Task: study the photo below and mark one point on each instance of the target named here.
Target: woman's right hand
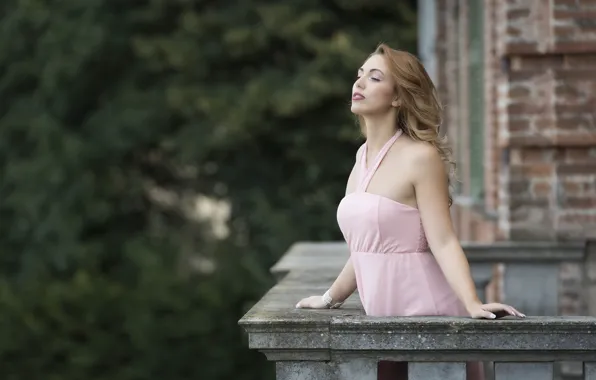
(313, 302)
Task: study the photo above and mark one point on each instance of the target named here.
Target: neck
(379, 131)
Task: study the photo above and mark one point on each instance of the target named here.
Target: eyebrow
(371, 70)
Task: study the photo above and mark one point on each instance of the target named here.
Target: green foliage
(91, 327)
(115, 114)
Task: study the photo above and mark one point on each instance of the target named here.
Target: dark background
(116, 117)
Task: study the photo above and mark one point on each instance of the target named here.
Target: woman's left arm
(432, 196)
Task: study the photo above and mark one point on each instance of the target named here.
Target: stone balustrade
(345, 344)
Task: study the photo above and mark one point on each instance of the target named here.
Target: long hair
(419, 112)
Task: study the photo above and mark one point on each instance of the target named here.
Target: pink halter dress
(396, 273)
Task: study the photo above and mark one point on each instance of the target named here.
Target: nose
(359, 82)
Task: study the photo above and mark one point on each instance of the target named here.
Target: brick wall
(540, 120)
(549, 129)
(547, 118)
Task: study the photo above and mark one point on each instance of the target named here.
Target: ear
(396, 102)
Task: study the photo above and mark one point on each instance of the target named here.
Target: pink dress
(396, 273)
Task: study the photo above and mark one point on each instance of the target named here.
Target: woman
(405, 257)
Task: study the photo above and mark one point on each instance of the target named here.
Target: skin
(421, 184)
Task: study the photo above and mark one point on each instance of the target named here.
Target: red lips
(357, 96)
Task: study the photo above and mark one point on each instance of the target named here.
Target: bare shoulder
(351, 186)
(359, 152)
(357, 160)
(421, 155)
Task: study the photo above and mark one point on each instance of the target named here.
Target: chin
(357, 110)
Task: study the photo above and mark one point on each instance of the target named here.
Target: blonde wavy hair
(419, 113)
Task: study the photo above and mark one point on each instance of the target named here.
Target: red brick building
(518, 79)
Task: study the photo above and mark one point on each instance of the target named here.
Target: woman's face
(373, 92)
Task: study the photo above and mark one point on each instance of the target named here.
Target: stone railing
(345, 344)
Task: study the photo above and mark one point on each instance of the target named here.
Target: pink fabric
(396, 273)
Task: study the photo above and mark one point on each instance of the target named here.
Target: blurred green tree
(116, 115)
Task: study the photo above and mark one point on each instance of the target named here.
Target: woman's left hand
(493, 311)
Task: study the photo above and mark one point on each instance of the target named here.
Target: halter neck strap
(367, 173)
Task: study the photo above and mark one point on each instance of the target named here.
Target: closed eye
(371, 78)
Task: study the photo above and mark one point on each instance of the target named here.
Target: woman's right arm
(342, 288)
(345, 283)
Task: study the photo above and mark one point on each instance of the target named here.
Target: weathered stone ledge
(346, 344)
(282, 332)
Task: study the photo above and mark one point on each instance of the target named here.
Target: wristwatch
(329, 301)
